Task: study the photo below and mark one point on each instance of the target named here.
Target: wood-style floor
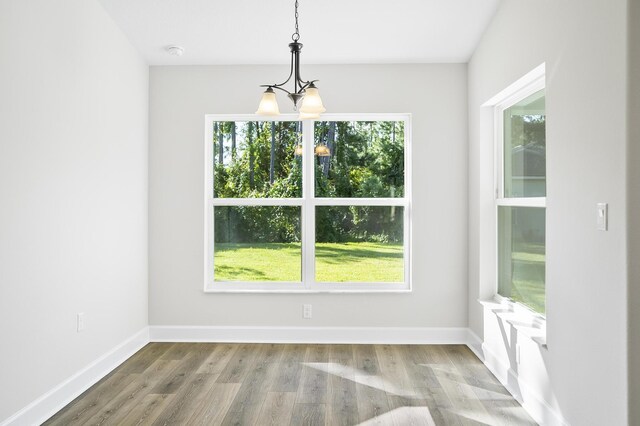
(268, 384)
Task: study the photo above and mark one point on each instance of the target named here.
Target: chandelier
(305, 91)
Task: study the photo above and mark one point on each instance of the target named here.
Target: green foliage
(258, 160)
(257, 224)
(367, 161)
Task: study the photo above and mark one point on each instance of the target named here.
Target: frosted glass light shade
(322, 151)
(268, 103)
(311, 103)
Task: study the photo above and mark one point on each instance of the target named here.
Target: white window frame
(522, 89)
(308, 204)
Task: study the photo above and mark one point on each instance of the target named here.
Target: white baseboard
(539, 409)
(475, 344)
(356, 335)
(54, 400)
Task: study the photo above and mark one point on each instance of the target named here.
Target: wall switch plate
(603, 216)
(80, 322)
(306, 311)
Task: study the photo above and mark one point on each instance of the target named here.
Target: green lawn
(335, 262)
(529, 278)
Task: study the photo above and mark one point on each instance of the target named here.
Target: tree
(367, 160)
(221, 144)
(251, 155)
(272, 158)
(233, 141)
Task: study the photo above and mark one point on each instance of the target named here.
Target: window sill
(299, 288)
(305, 291)
(524, 320)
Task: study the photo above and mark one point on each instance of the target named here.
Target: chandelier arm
(299, 84)
(279, 88)
(288, 78)
(304, 84)
(296, 59)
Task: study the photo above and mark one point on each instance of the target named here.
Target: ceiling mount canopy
(303, 91)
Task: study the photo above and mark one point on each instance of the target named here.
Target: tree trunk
(230, 226)
(233, 141)
(251, 155)
(331, 139)
(214, 142)
(371, 134)
(272, 161)
(221, 146)
(393, 138)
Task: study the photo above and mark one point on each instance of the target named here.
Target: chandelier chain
(303, 91)
(296, 35)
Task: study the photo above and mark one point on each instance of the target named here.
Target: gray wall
(73, 185)
(633, 192)
(583, 43)
(434, 94)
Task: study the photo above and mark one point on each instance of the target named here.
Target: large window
(307, 206)
(521, 197)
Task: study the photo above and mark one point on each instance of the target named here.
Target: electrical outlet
(82, 326)
(306, 311)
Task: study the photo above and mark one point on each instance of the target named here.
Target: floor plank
(372, 404)
(177, 351)
(277, 409)
(146, 356)
(246, 406)
(187, 399)
(308, 415)
(215, 405)
(189, 363)
(148, 410)
(288, 379)
(316, 353)
(218, 359)
(89, 403)
(366, 359)
(393, 372)
(276, 384)
(313, 384)
(239, 365)
(116, 409)
(342, 405)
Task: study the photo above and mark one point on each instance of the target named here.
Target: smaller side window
(521, 199)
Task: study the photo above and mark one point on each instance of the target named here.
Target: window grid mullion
(257, 201)
(308, 209)
(539, 202)
(390, 202)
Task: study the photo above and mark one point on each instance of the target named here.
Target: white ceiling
(332, 31)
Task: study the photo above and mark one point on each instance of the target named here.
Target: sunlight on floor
(468, 409)
(355, 375)
(403, 416)
(482, 392)
(484, 418)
